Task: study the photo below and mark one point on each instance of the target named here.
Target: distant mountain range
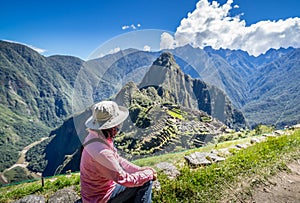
(39, 94)
(233, 71)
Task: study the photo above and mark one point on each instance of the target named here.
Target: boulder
(169, 169)
(255, 140)
(31, 199)
(215, 157)
(296, 126)
(223, 152)
(202, 159)
(66, 195)
(241, 146)
(279, 132)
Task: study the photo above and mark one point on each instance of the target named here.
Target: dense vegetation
(17, 174)
(16, 132)
(34, 97)
(274, 92)
(36, 156)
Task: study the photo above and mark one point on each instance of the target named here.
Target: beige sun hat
(106, 114)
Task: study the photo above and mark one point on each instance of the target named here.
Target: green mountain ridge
(31, 87)
(34, 98)
(275, 92)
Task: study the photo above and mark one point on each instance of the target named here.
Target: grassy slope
(209, 184)
(215, 182)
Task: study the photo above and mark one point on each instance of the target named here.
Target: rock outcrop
(32, 199)
(66, 195)
(202, 159)
(169, 169)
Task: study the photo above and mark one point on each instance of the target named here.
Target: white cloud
(115, 50)
(147, 48)
(124, 27)
(39, 50)
(167, 41)
(210, 24)
(132, 26)
(112, 51)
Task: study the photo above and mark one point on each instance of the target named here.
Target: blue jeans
(132, 194)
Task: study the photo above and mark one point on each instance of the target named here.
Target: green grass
(51, 185)
(175, 114)
(16, 132)
(212, 183)
(207, 184)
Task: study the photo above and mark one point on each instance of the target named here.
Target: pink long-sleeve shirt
(101, 168)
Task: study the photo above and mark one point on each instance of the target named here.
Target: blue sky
(78, 27)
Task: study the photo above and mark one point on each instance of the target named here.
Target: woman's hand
(154, 176)
(152, 169)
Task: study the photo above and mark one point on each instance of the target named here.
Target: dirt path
(282, 188)
(21, 161)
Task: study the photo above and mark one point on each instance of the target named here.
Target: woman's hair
(108, 133)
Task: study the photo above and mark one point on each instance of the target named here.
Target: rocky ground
(282, 188)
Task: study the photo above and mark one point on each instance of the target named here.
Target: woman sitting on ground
(104, 175)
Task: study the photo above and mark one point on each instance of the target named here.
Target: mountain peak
(174, 86)
(164, 71)
(166, 59)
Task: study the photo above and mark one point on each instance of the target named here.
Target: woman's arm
(128, 166)
(129, 176)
